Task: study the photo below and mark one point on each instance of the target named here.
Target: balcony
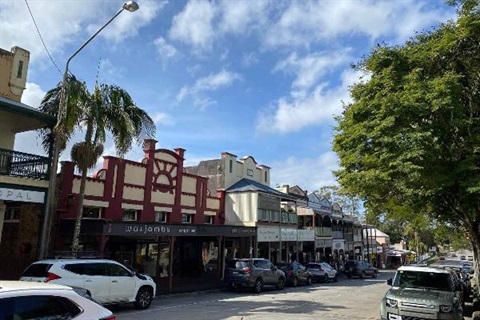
(338, 235)
(25, 165)
(323, 231)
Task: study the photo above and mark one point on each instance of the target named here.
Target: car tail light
(109, 318)
(247, 270)
(52, 276)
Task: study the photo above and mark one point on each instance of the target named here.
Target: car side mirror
(274, 268)
(389, 281)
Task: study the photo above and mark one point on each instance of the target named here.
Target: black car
(295, 273)
(253, 273)
(360, 268)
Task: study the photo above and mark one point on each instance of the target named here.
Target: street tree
(409, 140)
(108, 108)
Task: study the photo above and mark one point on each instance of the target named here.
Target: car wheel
(374, 275)
(232, 287)
(309, 281)
(258, 286)
(335, 279)
(295, 282)
(281, 283)
(326, 278)
(144, 298)
(362, 275)
(349, 276)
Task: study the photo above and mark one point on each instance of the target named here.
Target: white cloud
(161, 118)
(241, 16)
(311, 68)
(166, 51)
(194, 24)
(65, 22)
(127, 23)
(33, 95)
(300, 111)
(304, 23)
(211, 82)
(308, 173)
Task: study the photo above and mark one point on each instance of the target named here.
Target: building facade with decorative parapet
(152, 214)
(23, 176)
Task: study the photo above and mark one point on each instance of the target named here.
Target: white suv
(20, 300)
(107, 281)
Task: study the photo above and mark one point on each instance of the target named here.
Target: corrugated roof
(21, 108)
(251, 185)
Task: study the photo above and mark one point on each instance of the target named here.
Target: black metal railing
(19, 164)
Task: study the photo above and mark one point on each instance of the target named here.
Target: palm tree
(108, 108)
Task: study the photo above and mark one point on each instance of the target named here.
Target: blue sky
(254, 78)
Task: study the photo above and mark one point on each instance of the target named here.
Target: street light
(130, 6)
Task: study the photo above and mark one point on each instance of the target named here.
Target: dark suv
(253, 273)
(360, 268)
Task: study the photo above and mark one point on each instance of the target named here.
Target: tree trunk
(474, 235)
(81, 195)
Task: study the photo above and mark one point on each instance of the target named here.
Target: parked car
(106, 281)
(322, 272)
(360, 268)
(421, 293)
(295, 273)
(253, 273)
(21, 300)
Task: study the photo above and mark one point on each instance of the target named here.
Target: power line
(41, 38)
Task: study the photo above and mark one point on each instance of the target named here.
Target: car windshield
(425, 280)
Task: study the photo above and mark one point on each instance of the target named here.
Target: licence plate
(235, 272)
(394, 317)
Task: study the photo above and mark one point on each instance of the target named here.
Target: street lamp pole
(57, 132)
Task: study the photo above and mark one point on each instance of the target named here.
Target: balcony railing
(323, 231)
(19, 164)
(338, 235)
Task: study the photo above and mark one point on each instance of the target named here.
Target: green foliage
(409, 142)
(108, 108)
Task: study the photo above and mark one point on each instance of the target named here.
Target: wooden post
(170, 264)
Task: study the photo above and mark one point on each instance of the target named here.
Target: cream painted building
(23, 176)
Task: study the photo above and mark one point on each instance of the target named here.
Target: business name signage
(20, 195)
(268, 234)
(155, 229)
(289, 234)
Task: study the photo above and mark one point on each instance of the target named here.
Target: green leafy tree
(409, 142)
(108, 108)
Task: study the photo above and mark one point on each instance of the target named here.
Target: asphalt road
(346, 299)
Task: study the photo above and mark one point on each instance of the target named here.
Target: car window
(37, 270)
(259, 264)
(95, 269)
(116, 270)
(313, 266)
(38, 307)
(326, 266)
(234, 264)
(77, 268)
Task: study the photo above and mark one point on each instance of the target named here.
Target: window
(116, 270)
(187, 218)
(94, 269)
(12, 214)
(38, 307)
(266, 176)
(20, 69)
(129, 215)
(231, 166)
(92, 212)
(209, 219)
(161, 216)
